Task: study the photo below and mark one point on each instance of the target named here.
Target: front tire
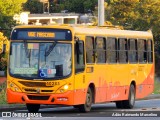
(87, 106)
(33, 108)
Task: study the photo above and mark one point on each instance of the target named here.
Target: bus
(79, 66)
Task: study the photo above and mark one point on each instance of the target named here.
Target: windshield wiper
(50, 49)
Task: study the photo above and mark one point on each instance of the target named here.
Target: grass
(157, 86)
(3, 93)
(3, 97)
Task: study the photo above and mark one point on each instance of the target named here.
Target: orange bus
(79, 66)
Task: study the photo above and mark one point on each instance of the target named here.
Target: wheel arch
(135, 86)
(92, 87)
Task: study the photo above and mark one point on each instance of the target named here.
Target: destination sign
(41, 34)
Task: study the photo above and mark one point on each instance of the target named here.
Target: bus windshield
(40, 60)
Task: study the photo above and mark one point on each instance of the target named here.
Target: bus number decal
(52, 83)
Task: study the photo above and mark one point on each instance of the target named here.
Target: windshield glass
(40, 60)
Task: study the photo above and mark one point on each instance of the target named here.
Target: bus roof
(98, 31)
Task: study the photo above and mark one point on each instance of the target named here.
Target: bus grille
(31, 97)
(35, 91)
(47, 90)
(34, 84)
(30, 90)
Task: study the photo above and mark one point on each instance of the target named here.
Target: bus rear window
(41, 34)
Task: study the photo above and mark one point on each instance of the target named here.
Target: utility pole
(100, 12)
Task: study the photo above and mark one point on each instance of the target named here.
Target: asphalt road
(144, 109)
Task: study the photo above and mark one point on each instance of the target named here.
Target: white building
(52, 18)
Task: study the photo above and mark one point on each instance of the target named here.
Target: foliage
(122, 12)
(3, 98)
(6, 23)
(77, 6)
(7, 9)
(3, 57)
(55, 8)
(135, 14)
(3, 40)
(10, 7)
(80, 6)
(156, 85)
(34, 6)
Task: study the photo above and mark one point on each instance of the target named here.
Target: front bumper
(62, 99)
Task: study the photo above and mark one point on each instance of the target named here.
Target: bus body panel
(79, 88)
(146, 87)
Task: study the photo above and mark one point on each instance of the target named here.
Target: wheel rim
(132, 98)
(88, 99)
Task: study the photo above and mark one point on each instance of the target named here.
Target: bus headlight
(14, 87)
(63, 89)
(66, 87)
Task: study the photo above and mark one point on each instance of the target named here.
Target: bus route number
(52, 83)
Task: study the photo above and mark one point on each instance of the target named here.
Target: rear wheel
(33, 108)
(89, 99)
(131, 99)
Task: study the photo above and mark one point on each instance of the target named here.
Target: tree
(10, 7)
(148, 16)
(79, 6)
(55, 6)
(135, 14)
(34, 6)
(122, 12)
(3, 57)
(7, 9)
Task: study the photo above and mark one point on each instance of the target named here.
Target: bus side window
(132, 51)
(150, 51)
(90, 53)
(142, 51)
(123, 52)
(79, 56)
(111, 47)
(101, 49)
(145, 52)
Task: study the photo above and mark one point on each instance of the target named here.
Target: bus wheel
(89, 99)
(131, 99)
(33, 108)
(119, 104)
